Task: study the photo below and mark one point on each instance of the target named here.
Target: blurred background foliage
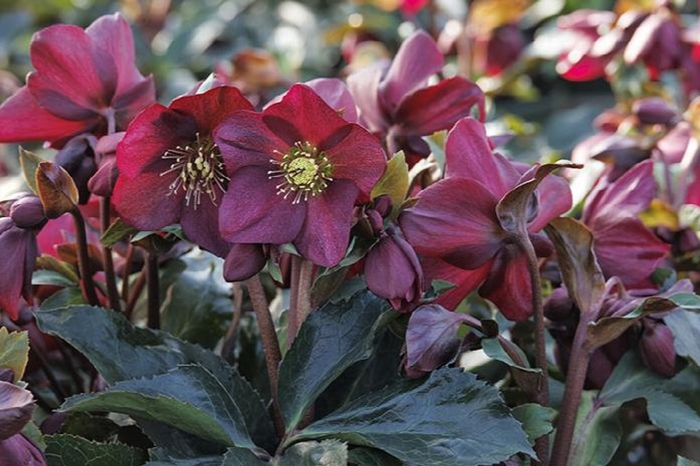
(273, 43)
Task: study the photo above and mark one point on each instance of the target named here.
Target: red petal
(465, 281)
(212, 107)
(508, 284)
(364, 87)
(325, 234)
(144, 202)
(201, 225)
(22, 119)
(442, 224)
(252, 211)
(417, 59)
(17, 245)
(438, 107)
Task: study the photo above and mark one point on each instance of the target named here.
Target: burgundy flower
(454, 222)
(624, 246)
(171, 171)
(656, 43)
(296, 171)
(396, 102)
(85, 82)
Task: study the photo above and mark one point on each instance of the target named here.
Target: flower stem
(575, 379)
(110, 275)
(230, 337)
(153, 283)
(84, 259)
(542, 396)
(270, 344)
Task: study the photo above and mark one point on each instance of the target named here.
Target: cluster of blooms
(302, 172)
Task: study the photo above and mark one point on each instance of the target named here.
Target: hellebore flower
(85, 81)
(396, 102)
(296, 171)
(656, 43)
(16, 408)
(624, 246)
(172, 171)
(473, 248)
(18, 246)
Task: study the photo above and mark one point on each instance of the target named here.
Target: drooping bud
(103, 181)
(57, 190)
(243, 261)
(77, 157)
(656, 347)
(654, 110)
(28, 212)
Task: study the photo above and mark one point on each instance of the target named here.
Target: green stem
(153, 283)
(542, 396)
(270, 344)
(575, 379)
(86, 281)
(110, 275)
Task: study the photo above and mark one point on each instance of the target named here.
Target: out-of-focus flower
(171, 171)
(85, 81)
(16, 408)
(296, 171)
(656, 42)
(474, 249)
(396, 102)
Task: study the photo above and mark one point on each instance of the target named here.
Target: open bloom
(85, 81)
(172, 171)
(396, 102)
(624, 246)
(474, 250)
(296, 171)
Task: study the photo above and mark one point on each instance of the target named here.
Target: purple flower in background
(396, 102)
(86, 81)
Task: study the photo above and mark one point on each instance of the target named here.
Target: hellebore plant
(308, 278)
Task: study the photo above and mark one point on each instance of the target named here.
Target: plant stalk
(86, 281)
(153, 283)
(110, 275)
(270, 344)
(575, 379)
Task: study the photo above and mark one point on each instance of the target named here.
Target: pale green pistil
(201, 171)
(304, 171)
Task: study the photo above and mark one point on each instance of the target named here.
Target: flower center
(201, 170)
(304, 170)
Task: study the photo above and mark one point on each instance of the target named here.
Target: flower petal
(145, 202)
(325, 234)
(358, 157)
(468, 155)
(438, 107)
(210, 108)
(201, 225)
(465, 281)
(508, 284)
(243, 261)
(22, 119)
(336, 94)
(67, 79)
(252, 211)
(364, 87)
(417, 59)
(468, 231)
(17, 245)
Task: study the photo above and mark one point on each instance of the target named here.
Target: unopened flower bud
(103, 181)
(57, 190)
(559, 306)
(28, 212)
(654, 110)
(77, 157)
(656, 347)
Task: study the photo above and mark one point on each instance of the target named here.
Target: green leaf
(51, 277)
(685, 326)
(116, 232)
(331, 339)
(451, 419)
(120, 351)
(70, 450)
(598, 433)
(394, 182)
(606, 329)
(29, 162)
(66, 297)
(196, 307)
(189, 398)
(241, 457)
(579, 268)
(536, 419)
(686, 462)
(325, 453)
(371, 457)
(14, 352)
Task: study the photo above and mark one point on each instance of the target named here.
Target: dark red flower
(396, 102)
(454, 222)
(296, 171)
(171, 171)
(85, 81)
(624, 246)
